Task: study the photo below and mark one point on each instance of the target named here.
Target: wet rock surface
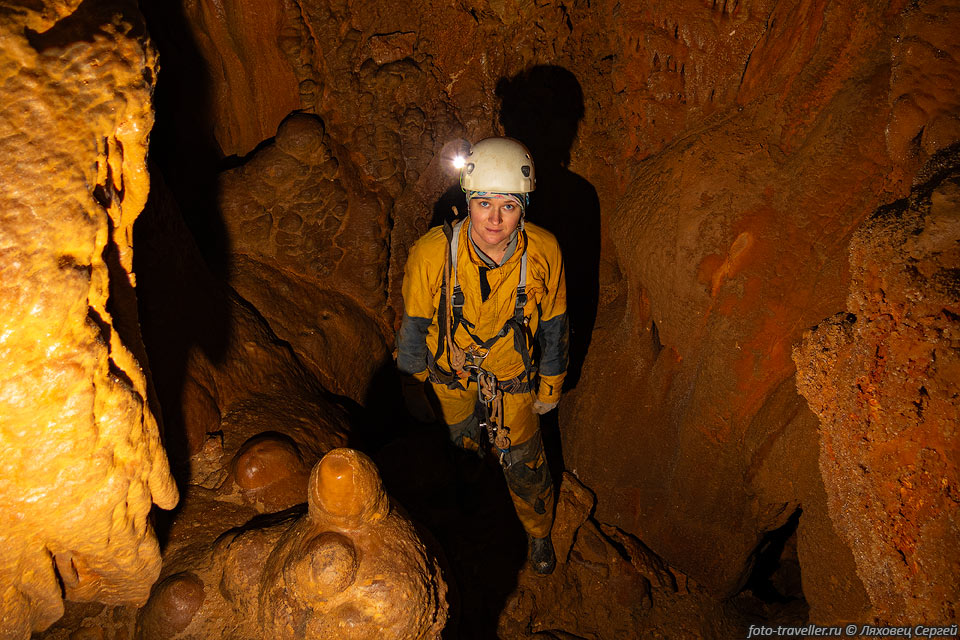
(704, 165)
(81, 462)
(308, 249)
(883, 378)
(340, 570)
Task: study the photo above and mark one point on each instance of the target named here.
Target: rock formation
(82, 461)
(607, 585)
(731, 238)
(350, 567)
(733, 148)
(883, 378)
(705, 166)
(309, 251)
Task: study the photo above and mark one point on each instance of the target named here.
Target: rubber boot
(542, 557)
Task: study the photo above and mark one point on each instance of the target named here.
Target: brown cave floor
(463, 503)
(464, 515)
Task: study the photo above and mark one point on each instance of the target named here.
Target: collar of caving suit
(521, 200)
(511, 248)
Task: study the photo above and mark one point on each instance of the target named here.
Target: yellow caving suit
(421, 333)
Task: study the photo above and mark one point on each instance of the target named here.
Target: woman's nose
(497, 215)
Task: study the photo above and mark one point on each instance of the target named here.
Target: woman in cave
(482, 293)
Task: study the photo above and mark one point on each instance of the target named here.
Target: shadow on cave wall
(184, 163)
(542, 108)
(183, 143)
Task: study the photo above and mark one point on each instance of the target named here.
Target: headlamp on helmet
(499, 165)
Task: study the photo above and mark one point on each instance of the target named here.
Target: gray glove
(541, 408)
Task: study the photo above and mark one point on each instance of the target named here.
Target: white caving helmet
(501, 165)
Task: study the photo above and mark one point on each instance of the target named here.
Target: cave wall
(82, 462)
(883, 378)
(309, 251)
(732, 240)
(246, 425)
(733, 148)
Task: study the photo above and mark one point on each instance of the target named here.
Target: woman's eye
(509, 207)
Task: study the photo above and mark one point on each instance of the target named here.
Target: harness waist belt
(519, 384)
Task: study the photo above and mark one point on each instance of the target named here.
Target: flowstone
(81, 462)
(351, 567)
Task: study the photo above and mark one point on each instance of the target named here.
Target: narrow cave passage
(756, 210)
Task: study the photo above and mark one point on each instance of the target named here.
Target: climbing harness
(467, 364)
(450, 317)
(490, 402)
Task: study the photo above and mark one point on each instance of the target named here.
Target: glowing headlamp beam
(458, 162)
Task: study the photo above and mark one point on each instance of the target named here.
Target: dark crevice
(775, 578)
(655, 339)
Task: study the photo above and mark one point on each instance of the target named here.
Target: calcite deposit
(883, 378)
(309, 249)
(81, 460)
(351, 567)
(704, 164)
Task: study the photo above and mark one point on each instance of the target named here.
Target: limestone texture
(308, 248)
(351, 567)
(883, 379)
(729, 237)
(81, 460)
(222, 374)
(731, 149)
(705, 166)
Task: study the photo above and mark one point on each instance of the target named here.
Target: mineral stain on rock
(883, 378)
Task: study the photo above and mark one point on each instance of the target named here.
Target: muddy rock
(245, 418)
(308, 248)
(607, 584)
(882, 377)
(729, 242)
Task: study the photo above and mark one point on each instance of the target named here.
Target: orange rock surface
(81, 462)
(309, 250)
(705, 165)
(883, 379)
(351, 567)
(734, 147)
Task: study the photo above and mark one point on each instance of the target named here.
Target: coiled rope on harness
(491, 398)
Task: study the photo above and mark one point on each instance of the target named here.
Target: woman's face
(492, 221)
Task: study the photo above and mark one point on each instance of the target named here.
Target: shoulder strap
(517, 323)
(454, 246)
(522, 286)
